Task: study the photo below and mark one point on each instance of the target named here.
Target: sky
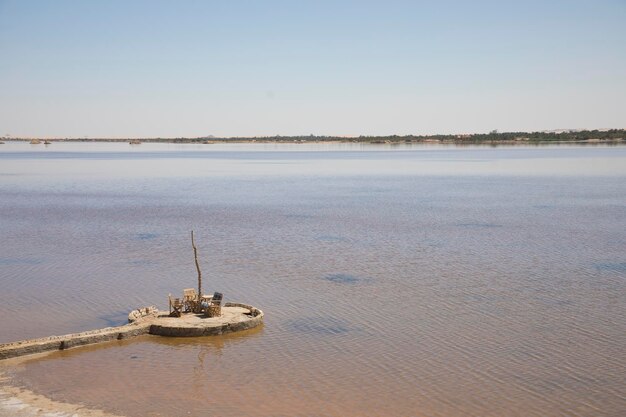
(261, 68)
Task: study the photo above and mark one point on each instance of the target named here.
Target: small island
(147, 320)
(193, 315)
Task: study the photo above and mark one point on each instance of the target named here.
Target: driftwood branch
(195, 255)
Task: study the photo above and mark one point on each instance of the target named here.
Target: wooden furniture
(176, 306)
(190, 300)
(214, 308)
(217, 298)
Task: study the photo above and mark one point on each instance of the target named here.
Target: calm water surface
(396, 281)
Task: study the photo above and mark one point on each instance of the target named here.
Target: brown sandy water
(405, 281)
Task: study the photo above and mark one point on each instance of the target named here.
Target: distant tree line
(611, 135)
(560, 136)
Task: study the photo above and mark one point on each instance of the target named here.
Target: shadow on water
(115, 318)
(214, 342)
(136, 348)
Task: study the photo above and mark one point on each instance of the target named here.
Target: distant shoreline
(608, 136)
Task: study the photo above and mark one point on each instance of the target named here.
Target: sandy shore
(19, 402)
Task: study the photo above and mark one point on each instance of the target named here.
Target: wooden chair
(190, 300)
(176, 306)
(217, 298)
(214, 308)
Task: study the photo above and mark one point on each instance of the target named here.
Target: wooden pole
(195, 255)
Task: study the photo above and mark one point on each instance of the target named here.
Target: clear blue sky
(235, 68)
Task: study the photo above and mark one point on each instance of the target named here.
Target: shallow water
(396, 281)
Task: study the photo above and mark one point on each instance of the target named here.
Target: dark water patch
(116, 318)
(478, 225)
(432, 243)
(343, 278)
(146, 236)
(610, 266)
(320, 326)
(20, 261)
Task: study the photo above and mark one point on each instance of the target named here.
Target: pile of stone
(142, 313)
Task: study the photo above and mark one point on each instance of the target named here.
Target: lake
(408, 280)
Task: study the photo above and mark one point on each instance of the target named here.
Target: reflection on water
(149, 372)
(21, 165)
(411, 281)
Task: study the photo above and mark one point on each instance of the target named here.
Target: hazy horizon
(122, 137)
(194, 69)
